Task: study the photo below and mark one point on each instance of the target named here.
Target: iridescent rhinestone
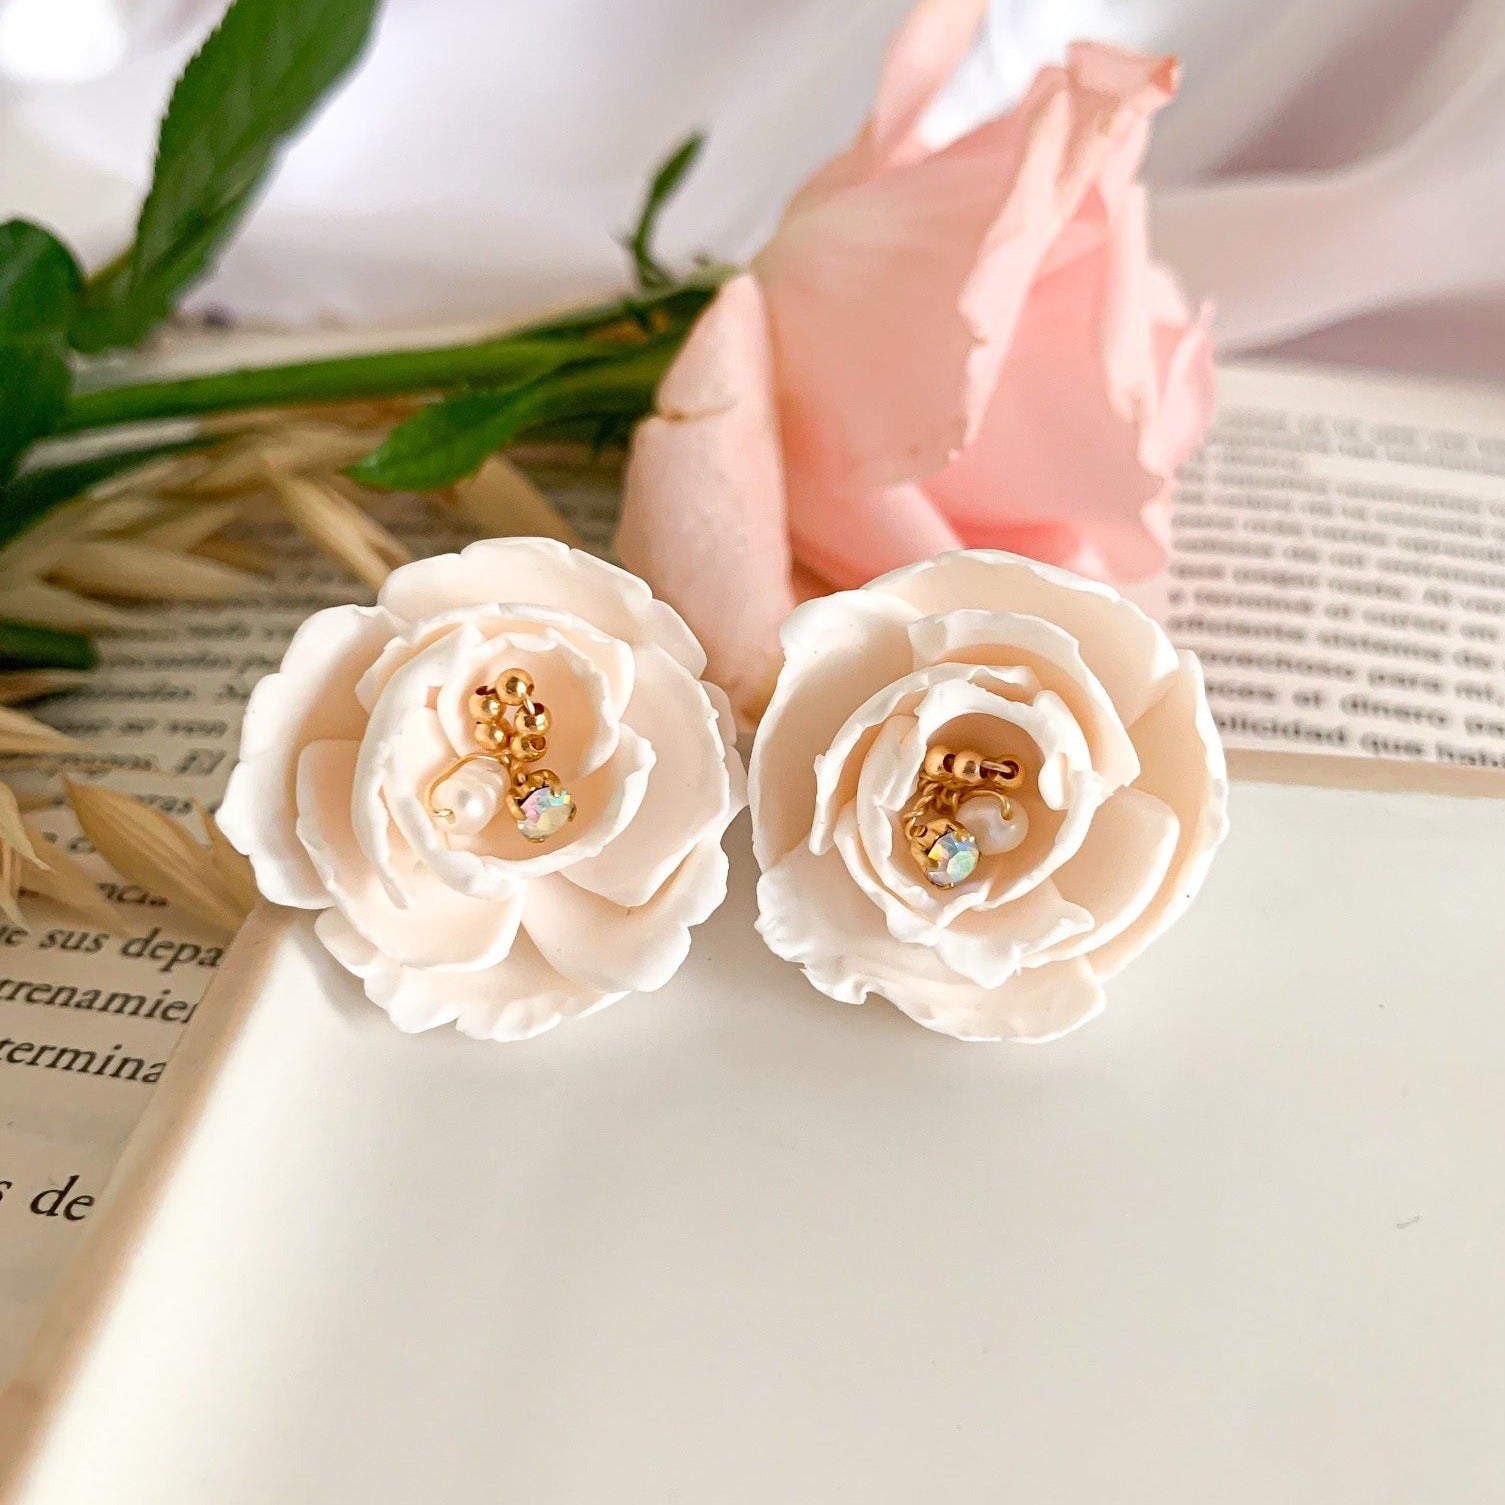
(951, 859)
(546, 811)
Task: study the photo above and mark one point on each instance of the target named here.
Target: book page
(1339, 566)
(89, 1019)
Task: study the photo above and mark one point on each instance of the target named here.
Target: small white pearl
(474, 794)
(995, 832)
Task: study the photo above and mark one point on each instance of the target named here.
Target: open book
(1339, 565)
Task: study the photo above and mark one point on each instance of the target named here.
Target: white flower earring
(477, 856)
(981, 787)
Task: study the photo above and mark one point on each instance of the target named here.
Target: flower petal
(847, 537)
(438, 927)
(924, 53)
(520, 997)
(985, 947)
(839, 650)
(839, 768)
(939, 257)
(1012, 638)
(811, 913)
(603, 945)
(1183, 766)
(311, 696)
(1035, 1006)
(1127, 650)
(690, 789)
(541, 572)
(1119, 868)
(703, 511)
(1054, 445)
(611, 657)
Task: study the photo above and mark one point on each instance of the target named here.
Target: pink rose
(939, 348)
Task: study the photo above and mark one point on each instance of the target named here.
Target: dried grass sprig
(500, 499)
(24, 734)
(16, 849)
(149, 847)
(340, 528)
(33, 684)
(233, 867)
(52, 606)
(125, 568)
(66, 881)
(242, 464)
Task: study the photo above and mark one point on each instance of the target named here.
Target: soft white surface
(1236, 1242)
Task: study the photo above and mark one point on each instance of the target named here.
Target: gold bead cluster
(931, 825)
(512, 726)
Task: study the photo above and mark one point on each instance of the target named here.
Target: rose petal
(811, 913)
(1053, 446)
(987, 948)
(603, 945)
(941, 258)
(703, 511)
(1034, 1007)
(690, 788)
(1127, 651)
(611, 657)
(438, 928)
(924, 53)
(838, 769)
(1119, 868)
(311, 696)
(1055, 763)
(847, 537)
(1013, 639)
(583, 730)
(1183, 765)
(541, 572)
(838, 651)
(520, 997)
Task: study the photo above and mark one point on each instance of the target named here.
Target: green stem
(504, 361)
(357, 378)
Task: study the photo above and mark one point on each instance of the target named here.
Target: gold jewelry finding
(511, 729)
(941, 845)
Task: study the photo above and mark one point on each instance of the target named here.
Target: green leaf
(450, 440)
(665, 181)
(39, 288)
(30, 497)
(34, 382)
(40, 282)
(24, 645)
(246, 90)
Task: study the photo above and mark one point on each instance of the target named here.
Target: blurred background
(1332, 174)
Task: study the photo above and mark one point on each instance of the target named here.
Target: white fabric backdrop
(1333, 175)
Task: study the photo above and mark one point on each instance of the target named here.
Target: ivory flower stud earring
(503, 788)
(981, 788)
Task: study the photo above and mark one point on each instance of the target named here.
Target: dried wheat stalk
(150, 848)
